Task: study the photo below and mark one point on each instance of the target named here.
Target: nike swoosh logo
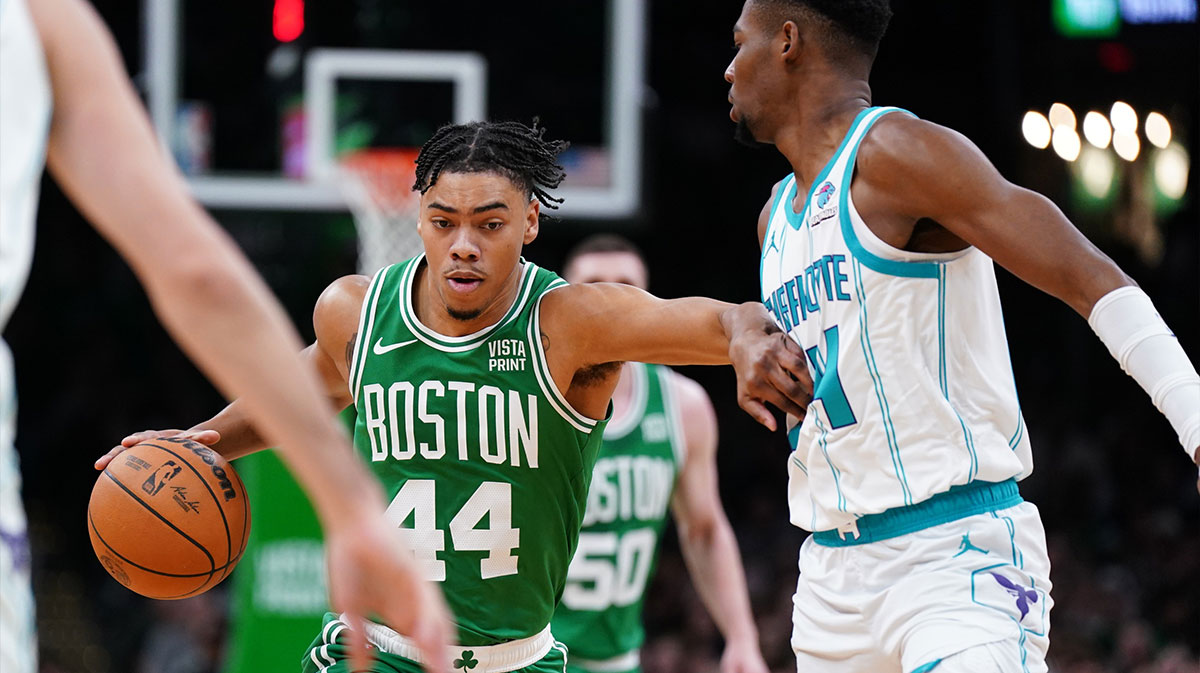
(380, 349)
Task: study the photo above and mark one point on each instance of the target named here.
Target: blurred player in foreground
(877, 259)
(659, 448)
(482, 385)
(64, 98)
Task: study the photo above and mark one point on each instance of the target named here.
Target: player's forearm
(685, 331)
(715, 564)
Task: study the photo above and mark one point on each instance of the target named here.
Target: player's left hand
(743, 657)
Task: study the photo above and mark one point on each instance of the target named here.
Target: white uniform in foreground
(24, 119)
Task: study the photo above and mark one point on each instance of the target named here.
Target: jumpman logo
(1024, 596)
(966, 546)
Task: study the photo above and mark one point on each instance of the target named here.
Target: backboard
(257, 104)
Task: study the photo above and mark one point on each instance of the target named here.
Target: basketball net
(377, 184)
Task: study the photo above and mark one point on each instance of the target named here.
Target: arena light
(1126, 145)
(1124, 119)
(1096, 171)
(1036, 129)
(1096, 129)
(1171, 171)
(1066, 143)
(287, 21)
(1158, 130)
(1061, 115)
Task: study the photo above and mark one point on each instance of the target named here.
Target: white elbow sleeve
(1125, 320)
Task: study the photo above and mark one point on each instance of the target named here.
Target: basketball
(169, 518)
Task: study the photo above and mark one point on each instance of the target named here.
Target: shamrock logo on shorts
(467, 662)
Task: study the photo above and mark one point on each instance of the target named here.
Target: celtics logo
(467, 662)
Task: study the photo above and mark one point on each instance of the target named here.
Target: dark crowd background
(1117, 495)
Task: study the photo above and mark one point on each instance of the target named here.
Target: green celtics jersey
(600, 616)
(485, 463)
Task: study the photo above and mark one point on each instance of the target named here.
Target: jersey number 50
(615, 567)
(492, 499)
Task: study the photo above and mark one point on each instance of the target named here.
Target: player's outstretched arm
(102, 151)
(705, 536)
(597, 323)
(923, 170)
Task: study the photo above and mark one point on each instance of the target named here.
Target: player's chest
(808, 278)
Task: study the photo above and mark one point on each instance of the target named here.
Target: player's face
(749, 75)
(608, 267)
(473, 226)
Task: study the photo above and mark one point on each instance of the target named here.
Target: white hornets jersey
(913, 386)
(24, 120)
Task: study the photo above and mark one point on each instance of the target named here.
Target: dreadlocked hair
(512, 149)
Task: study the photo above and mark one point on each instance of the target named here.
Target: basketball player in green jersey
(659, 448)
(482, 386)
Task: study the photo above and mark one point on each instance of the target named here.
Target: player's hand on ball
(371, 573)
(205, 437)
(770, 367)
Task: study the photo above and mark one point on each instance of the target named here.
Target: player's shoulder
(341, 301)
(346, 288)
(899, 142)
(576, 297)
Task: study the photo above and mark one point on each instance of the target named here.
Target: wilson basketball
(169, 518)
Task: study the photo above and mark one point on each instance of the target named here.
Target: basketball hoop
(377, 183)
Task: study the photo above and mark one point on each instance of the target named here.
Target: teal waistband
(959, 502)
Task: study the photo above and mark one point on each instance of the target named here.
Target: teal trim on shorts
(977, 497)
(926, 668)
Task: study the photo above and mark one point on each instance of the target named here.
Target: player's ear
(790, 41)
(532, 220)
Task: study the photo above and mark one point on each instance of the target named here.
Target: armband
(1125, 320)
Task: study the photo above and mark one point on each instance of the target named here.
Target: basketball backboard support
(465, 72)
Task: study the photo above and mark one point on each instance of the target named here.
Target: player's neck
(816, 125)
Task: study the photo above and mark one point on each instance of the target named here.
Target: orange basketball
(169, 518)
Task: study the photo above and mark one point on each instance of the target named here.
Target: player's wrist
(741, 637)
(748, 315)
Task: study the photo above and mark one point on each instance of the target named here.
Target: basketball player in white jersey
(588, 621)
(877, 257)
(65, 101)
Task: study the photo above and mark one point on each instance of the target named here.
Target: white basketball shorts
(909, 604)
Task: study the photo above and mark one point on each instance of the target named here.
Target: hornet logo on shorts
(1024, 596)
(826, 208)
(166, 472)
